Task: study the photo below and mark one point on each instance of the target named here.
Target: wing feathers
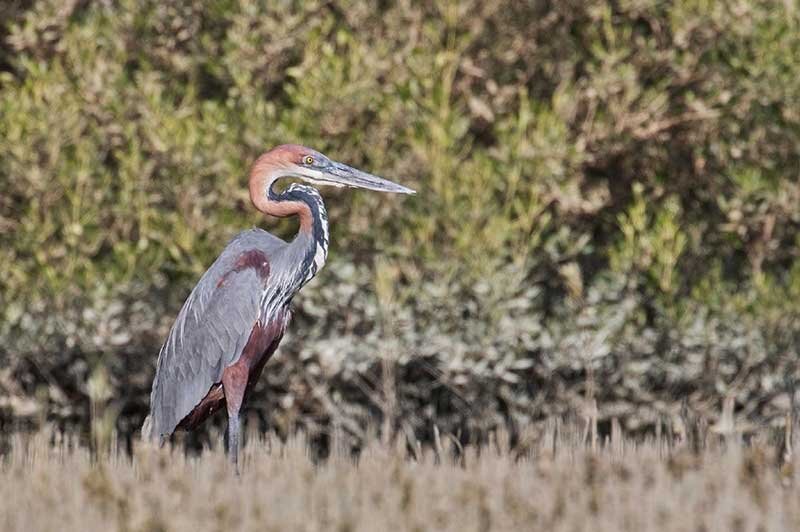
(209, 334)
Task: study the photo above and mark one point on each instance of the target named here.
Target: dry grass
(556, 484)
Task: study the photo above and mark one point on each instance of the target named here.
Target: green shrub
(606, 191)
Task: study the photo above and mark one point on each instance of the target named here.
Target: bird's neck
(311, 243)
(310, 246)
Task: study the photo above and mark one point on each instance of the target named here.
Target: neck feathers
(317, 245)
(298, 200)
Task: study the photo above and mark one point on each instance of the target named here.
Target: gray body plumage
(216, 320)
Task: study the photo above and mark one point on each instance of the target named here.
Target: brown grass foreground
(557, 483)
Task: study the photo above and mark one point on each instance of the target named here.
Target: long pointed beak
(352, 177)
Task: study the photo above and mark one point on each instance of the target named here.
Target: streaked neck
(309, 248)
(312, 243)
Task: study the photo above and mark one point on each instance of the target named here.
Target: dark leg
(232, 440)
(234, 382)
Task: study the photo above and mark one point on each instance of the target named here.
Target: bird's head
(292, 160)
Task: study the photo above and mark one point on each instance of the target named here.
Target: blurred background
(606, 222)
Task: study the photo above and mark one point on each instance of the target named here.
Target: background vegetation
(606, 220)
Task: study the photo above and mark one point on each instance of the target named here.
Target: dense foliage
(608, 203)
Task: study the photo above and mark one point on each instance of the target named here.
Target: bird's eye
(308, 159)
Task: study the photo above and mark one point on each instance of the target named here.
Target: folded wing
(208, 335)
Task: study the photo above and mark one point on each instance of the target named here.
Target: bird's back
(211, 330)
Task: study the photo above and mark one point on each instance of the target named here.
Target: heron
(234, 318)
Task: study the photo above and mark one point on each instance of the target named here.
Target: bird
(234, 318)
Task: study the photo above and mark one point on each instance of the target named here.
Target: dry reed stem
(557, 483)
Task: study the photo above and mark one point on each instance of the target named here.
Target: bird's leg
(234, 383)
(232, 440)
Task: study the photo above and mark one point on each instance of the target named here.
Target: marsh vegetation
(606, 227)
(552, 481)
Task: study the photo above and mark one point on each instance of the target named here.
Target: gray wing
(208, 335)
